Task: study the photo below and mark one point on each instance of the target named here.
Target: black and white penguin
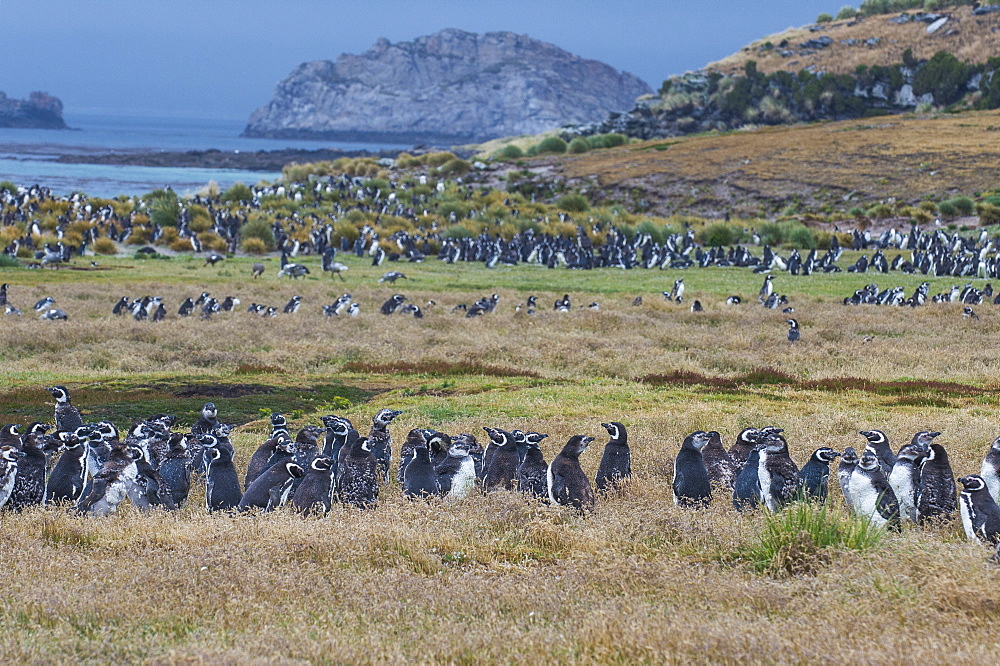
(113, 483)
(746, 489)
(568, 485)
(29, 486)
(208, 420)
(176, 468)
(766, 289)
(501, 461)
(616, 462)
(150, 489)
(990, 470)
(745, 444)
(307, 446)
(816, 474)
(314, 495)
(337, 429)
(10, 435)
(905, 479)
(415, 438)
(272, 488)
(186, 308)
(379, 440)
(438, 443)
(475, 450)
(696, 306)
(264, 453)
(721, 470)
(358, 473)
(691, 485)
(69, 476)
(780, 481)
(793, 330)
(980, 513)
(871, 494)
(293, 305)
(392, 304)
(68, 417)
(9, 456)
(457, 473)
(937, 497)
(419, 478)
(532, 471)
(848, 461)
(879, 443)
(222, 484)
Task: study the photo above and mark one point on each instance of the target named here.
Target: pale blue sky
(222, 58)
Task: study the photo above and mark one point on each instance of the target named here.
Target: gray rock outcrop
(39, 111)
(449, 87)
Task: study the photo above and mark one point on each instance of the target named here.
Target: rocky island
(449, 87)
(39, 111)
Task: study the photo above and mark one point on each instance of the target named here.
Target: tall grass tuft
(805, 536)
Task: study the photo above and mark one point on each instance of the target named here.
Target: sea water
(27, 156)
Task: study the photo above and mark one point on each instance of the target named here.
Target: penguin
(905, 479)
(29, 485)
(879, 443)
(186, 308)
(260, 458)
(501, 466)
(293, 305)
(696, 306)
(457, 473)
(414, 438)
(871, 494)
(314, 496)
(306, 447)
(979, 511)
(567, 483)
(379, 440)
(766, 289)
(337, 429)
(990, 470)
(793, 330)
(176, 469)
(208, 420)
(848, 461)
(222, 485)
(476, 452)
(438, 443)
(10, 435)
(69, 476)
(150, 490)
(419, 477)
(9, 455)
(745, 443)
(616, 463)
(721, 470)
(68, 417)
(283, 452)
(780, 481)
(520, 443)
(691, 485)
(532, 471)
(816, 474)
(677, 293)
(358, 473)
(272, 488)
(116, 479)
(937, 496)
(746, 489)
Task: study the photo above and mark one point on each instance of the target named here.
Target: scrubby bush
(879, 212)
(824, 18)
(455, 167)
(614, 140)
(964, 205)
(438, 159)
(579, 145)
(212, 241)
(509, 152)
(181, 245)
(105, 245)
(947, 209)
(717, 234)
(260, 230)
(7, 261)
(943, 76)
(164, 208)
(574, 203)
(988, 213)
(846, 12)
(238, 193)
(552, 144)
(253, 246)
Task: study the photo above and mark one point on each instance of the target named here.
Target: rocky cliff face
(39, 111)
(449, 87)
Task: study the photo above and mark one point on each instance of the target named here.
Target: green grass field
(496, 578)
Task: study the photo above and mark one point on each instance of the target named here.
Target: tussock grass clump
(806, 536)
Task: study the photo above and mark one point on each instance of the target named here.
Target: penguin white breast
(966, 511)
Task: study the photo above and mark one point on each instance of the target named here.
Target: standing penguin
(746, 490)
(271, 489)
(816, 474)
(980, 513)
(721, 470)
(176, 469)
(616, 463)
(501, 466)
(69, 476)
(358, 473)
(475, 450)
(457, 473)
(879, 443)
(415, 438)
(222, 484)
(848, 461)
(990, 470)
(766, 289)
(780, 481)
(68, 417)
(938, 495)
(284, 451)
(871, 494)
(9, 455)
(315, 494)
(419, 478)
(208, 420)
(379, 440)
(691, 484)
(532, 472)
(905, 479)
(29, 486)
(116, 480)
(793, 330)
(259, 459)
(568, 485)
(745, 443)
(337, 429)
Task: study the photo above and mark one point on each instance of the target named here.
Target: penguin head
(11, 430)
(912, 452)
(996, 444)
(774, 442)
(106, 431)
(209, 411)
(211, 453)
(874, 436)
(438, 441)
(385, 416)
(518, 436)
(792, 323)
(748, 436)
(972, 483)
(136, 453)
(321, 464)
(68, 440)
(10, 453)
(615, 430)
(696, 440)
(825, 454)
(714, 438)
(470, 443)
(60, 394)
(38, 428)
(576, 445)
(363, 441)
(309, 435)
(221, 431)
(923, 439)
(868, 461)
(179, 442)
(498, 437)
(535, 437)
(422, 454)
(279, 421)
(285, 444)
(294, 471)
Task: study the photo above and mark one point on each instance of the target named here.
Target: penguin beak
(933, 434)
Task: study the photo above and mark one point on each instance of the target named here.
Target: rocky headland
(39, 111)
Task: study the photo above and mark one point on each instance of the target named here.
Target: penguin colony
(93, 468)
